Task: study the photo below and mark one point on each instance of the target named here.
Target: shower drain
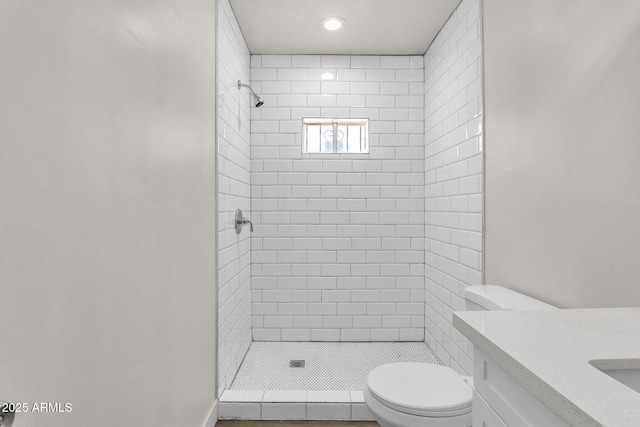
(296, 363)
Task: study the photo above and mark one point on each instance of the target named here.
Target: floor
(251, 423)
(327, 382)
(327, 366)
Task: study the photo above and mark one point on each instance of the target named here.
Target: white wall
(338, 250)
(234, 298)
(107, 243)
(562, 108)
(453, 178)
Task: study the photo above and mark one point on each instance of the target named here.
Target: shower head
(258, 99)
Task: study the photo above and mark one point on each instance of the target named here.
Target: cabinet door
(483, 414)
(516, 406)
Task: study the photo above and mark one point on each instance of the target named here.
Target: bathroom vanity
(555, 368)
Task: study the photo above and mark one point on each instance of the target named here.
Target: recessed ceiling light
(333, 23)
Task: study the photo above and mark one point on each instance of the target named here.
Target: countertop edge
(549, 396)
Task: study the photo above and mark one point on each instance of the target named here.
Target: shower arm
(240, 84)
(259, 100)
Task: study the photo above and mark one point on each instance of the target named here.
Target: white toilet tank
(490, 297)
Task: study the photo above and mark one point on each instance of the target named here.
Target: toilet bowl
(418, 395)
(414, 394)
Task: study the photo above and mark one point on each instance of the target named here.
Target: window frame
(307, 122)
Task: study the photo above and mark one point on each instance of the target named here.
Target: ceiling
(374, 27)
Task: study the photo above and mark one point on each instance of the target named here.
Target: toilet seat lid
(420, 389)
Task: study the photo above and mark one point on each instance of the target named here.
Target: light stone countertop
(548, 353)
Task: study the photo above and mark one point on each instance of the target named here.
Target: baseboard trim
(213, 416)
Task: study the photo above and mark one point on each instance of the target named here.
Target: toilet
(413, 394)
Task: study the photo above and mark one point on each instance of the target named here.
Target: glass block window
(339, 136)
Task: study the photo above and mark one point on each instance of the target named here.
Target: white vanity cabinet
(538, 368)
(499, 401)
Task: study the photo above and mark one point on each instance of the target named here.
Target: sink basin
(625, 371)
(629, 377)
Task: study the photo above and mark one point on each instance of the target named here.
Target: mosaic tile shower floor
(328, 365)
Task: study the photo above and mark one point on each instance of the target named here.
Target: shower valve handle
(246, 221)
(242, 221)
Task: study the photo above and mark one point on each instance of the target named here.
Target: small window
(339, 136)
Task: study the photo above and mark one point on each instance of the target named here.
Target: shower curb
(343, 405)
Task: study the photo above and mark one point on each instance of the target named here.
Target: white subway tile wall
(453, 179)
(337, 252)
(234, 191)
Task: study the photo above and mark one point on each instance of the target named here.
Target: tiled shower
(338, 250)
(361, 248)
